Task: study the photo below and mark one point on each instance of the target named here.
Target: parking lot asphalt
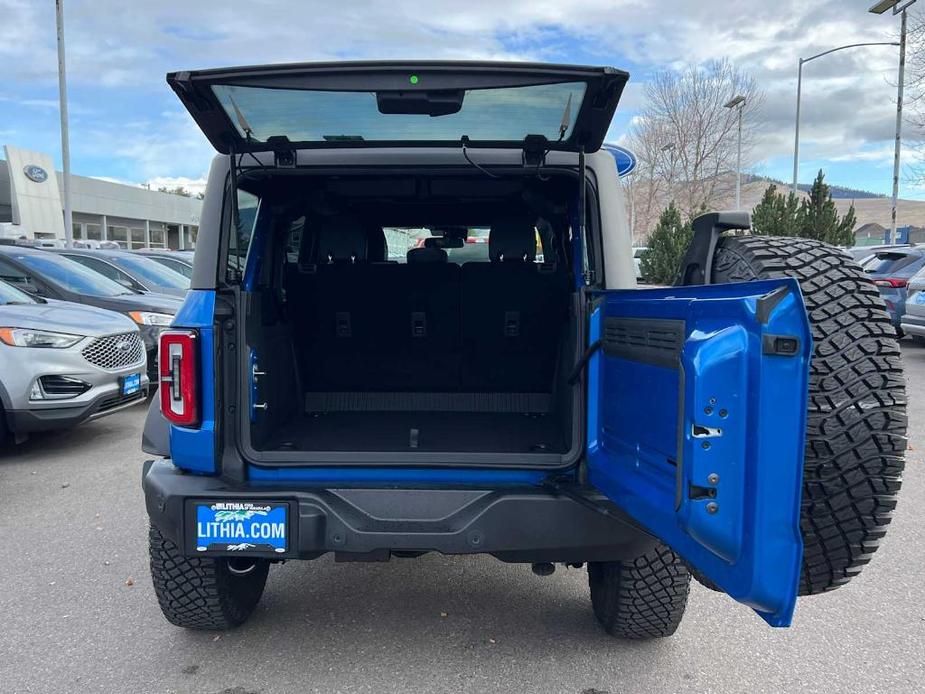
(78, 613)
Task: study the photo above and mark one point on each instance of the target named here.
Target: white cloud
(123, 51)
(193, 185)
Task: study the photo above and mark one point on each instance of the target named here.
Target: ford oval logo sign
(35, 173)
(624, 159)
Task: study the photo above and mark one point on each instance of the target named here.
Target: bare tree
(914, 98)
(686, 140)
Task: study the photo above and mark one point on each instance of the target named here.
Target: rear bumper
(913, 325)
(524, 524)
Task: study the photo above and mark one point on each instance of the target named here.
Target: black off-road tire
(643, 598)
(856, 425)
(202, 593)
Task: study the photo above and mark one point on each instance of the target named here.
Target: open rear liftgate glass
(696, 411)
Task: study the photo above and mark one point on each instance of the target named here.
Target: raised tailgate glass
(508, 114)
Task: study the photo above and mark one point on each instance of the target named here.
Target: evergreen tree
(819, 219)
(777, 214)
(668, 243)
(813, 218)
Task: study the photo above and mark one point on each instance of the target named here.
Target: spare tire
(856, 423)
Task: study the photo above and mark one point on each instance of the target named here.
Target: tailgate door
(696, 425)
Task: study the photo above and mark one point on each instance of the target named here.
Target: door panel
(697, 406)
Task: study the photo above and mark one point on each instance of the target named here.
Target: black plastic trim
(24, 421)
(656, 341)
(765, 306)
(697, 267)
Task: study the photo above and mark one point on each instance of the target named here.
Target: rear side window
(156, 274)
(890, 262)
(72, 276)
(240, 240)
(175, 265)
(294, 239)
(104, 269)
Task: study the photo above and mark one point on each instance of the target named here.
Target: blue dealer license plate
(131, 384)
(241, 526)
(920, 297)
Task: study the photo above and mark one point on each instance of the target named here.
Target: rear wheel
(643, 598)
(856, 424)
(204, 593)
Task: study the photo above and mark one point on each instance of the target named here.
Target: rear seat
(338, 318)
(370, 324)
(429, 325)
(513, 310)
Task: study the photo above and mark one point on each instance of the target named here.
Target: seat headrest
(342, 238)
(512, 239)
(427, 254)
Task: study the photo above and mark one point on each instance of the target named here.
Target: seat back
(513, 310)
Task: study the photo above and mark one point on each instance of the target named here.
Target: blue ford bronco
(414, 327)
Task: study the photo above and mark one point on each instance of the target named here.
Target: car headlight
(25, 337)
(149, 318)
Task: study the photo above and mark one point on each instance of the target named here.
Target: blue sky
(126, 124)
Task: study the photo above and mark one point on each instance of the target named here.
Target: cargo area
(419, 323)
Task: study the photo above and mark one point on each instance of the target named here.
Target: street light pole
(65, 142)
(899, 8)
(897, 147)
(796, 138)
(738, 102)
(796, 143)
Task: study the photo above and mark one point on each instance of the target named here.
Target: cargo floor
(476, 432)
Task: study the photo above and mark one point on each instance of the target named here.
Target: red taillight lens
(178, 364)
(894, 282)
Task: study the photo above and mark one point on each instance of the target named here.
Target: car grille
(63, 386)
(115, 351)
(117, 400)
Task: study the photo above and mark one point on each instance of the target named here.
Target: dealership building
(31, 207)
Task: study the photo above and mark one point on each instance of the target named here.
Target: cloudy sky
(126, 124)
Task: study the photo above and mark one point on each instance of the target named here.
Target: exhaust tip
(543, 568)
(241, 567)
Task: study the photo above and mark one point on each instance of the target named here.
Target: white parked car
(637, 264)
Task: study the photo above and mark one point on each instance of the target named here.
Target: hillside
(867, 209)
(837, 191)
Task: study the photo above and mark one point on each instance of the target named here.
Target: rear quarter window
(892, 263)
(240, 241)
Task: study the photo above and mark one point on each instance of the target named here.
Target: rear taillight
(178, 366)
(894, 282)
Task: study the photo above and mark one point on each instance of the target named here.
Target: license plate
(241, 526)
(131, 384)
(920, 297)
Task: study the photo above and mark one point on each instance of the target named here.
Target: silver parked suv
(63, 363)
(913, 320)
